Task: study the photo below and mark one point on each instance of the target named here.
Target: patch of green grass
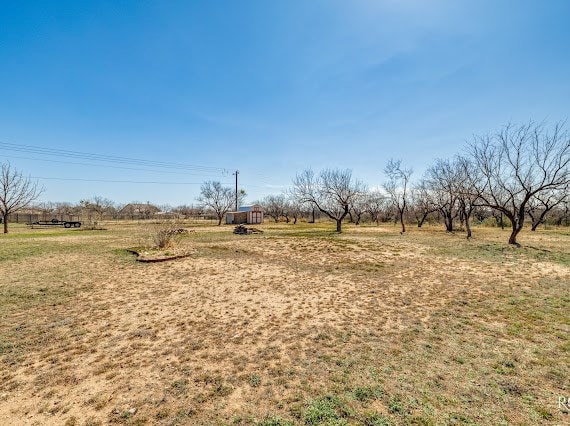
(397, 406)
(16, 296)
(274, 421)
(376, 420)
(543, 413)
(367, 393)
(328, 410)
(254, 380)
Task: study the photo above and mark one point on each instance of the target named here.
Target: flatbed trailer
(56, 222)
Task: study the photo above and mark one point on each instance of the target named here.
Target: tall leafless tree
(218, 198)
(466, 188)
(423, 203)
(441, 178)
(358, 208)
(517, 163)
(16, 192)
(397, 187)
(376, 206)
(331, 192)
(294, 208)
(275, 206)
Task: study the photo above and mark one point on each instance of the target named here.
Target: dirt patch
(292, 324)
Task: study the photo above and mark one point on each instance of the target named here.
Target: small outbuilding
(247, 214)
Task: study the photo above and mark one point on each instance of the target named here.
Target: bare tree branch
(16, 192)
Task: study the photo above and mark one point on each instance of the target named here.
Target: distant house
(247, 214)
(28, 215)
(138, 211)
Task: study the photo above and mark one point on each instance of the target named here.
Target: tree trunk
(5, 220)
(402, 221)
(466, 215)
(219, 220)
(467, 226)
(533, 221)
(423, 219)
(513, 237)
(539, 220)
(518, 223)
(339, 220)
(294, 220)
(448, 220)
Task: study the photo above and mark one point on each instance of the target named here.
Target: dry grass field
(297, 325)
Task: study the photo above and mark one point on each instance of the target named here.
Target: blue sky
(267, 87)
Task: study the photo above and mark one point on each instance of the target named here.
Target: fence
(36, 217)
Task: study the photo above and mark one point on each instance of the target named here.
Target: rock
(132, 410)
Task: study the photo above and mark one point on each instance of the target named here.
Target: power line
(122, 181)
(116, 167)
(106, 158)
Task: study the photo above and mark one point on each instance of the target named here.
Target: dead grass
(294, 326)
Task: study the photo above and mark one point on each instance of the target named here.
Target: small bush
(165, 234)
(254, 380)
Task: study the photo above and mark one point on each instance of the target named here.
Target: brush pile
(244, 230)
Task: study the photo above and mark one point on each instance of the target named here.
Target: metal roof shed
(247, 214)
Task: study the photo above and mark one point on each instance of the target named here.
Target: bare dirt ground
(293, 326)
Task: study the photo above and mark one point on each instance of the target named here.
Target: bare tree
(441, 178)
(517, 163)
(64, 209)
(218, 198)
(397, 187)
(331, 192)
(275, 206)
(96, 208)
(376, 205)
(358, 208)
(16, 192)
(466, 188)
(188, 210)
(294, 209)
(423, 203)
(561, 214)
(542, 203)
(47, 209)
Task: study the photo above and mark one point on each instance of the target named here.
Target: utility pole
(236, 175)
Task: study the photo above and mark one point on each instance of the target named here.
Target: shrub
(165, 234)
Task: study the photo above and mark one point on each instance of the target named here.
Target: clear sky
(266, 87)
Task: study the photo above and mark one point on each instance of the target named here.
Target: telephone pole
(236, 175)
